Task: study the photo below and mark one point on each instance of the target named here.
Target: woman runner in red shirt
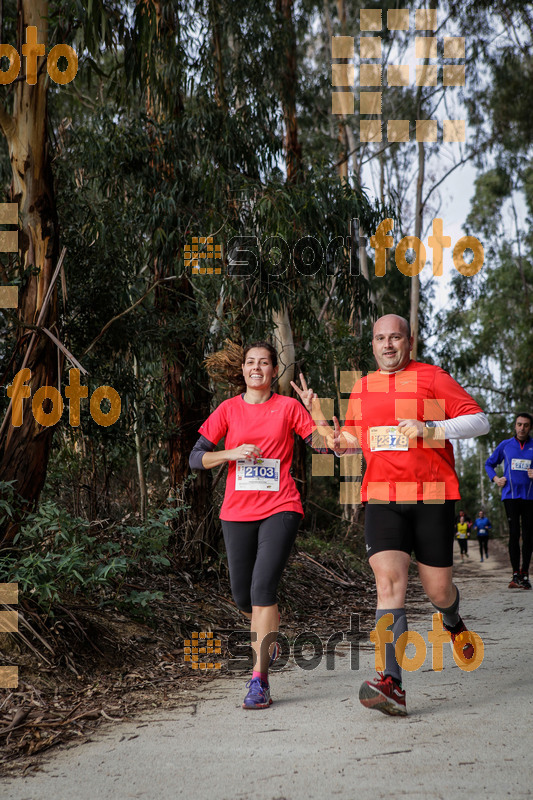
(262, 509)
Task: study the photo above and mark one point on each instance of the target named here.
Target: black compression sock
(455, 628)
(396, 681)
(399, 626)
(450, 615)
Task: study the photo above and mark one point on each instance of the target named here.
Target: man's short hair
(524, 414)
(406, 323)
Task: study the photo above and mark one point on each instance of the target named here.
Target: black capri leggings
(257, 553)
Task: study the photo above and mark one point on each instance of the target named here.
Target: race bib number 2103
(263, 475)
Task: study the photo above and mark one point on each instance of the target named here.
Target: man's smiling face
(390, 343)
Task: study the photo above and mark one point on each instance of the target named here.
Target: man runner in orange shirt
(403, 416)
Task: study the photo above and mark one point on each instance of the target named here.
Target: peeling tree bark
(415, 279)
(284, 344)
(24, 451)
(186, 404)
(293, 148)
(419, 214)
(293, 161)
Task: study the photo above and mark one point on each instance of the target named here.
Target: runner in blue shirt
(517, 494)
(483, 526)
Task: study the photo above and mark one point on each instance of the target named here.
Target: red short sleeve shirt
(271, 427)
(426, 471)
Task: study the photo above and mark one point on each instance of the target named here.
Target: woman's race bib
(259, 476)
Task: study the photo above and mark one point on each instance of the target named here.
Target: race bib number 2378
(387, 437)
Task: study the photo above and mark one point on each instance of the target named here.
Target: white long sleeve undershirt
(464, 427)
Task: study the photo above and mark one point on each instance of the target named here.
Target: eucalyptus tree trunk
(141, 473)
(292, 146)
(415, 279)
(186, 407)
(293, 161)
(419, 211)
(284, 344)
(24, 450)
(186, 401)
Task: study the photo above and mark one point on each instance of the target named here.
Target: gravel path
(467, 734)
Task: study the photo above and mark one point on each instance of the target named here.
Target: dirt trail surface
(467, 733)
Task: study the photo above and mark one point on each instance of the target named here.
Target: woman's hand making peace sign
(306, 395)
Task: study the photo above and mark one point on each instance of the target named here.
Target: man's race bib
(521, 464)
(387, 437)
(261, 476)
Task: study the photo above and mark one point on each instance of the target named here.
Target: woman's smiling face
(257, 369)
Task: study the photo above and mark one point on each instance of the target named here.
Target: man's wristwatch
(431, 424)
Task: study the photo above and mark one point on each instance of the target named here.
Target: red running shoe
(467, 650)
(524, 580)
(515, 581)
(384, 695)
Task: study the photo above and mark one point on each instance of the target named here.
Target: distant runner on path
(462, 533)
(483, 527)
(516, 484)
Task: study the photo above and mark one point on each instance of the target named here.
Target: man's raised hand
(334, 442)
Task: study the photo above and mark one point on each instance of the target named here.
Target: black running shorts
(425, 529)
(257, 554)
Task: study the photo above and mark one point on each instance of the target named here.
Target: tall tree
(24, 450)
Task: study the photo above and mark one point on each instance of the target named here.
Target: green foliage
(10, 502)
(492, 188)
(157, 140)
(55, 556)
(511, 99)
